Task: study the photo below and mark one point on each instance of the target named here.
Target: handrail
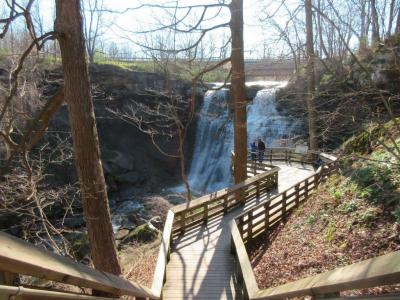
(270, 212)
(377, 271)
(21, 292)
(18, 256)
(163, 256)
(381, 270)
(200, 210)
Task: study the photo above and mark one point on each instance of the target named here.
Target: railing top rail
(261, 204)
(159, 273)
(221, 193)
(382, 270)
(18, 256)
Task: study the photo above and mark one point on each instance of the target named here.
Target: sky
(121, 27)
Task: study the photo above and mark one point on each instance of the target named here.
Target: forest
(192, 149)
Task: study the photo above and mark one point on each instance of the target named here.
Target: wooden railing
(261, 219)
(198, 211)
(267, 214)
(20, 257)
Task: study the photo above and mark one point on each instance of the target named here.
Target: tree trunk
(238, 93)
(363, 30)
(375, 23)
(312, 127)
(391, 17)
(68, 25)
(397, 30)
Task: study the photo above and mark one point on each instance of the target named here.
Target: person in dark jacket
(253, 151)
(261, 150)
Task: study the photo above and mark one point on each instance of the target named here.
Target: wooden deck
(200, 265)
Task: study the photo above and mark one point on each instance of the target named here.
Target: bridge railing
(261, 219)
(200, 210)
(20, 257)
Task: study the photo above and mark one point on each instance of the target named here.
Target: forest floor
(354, 216)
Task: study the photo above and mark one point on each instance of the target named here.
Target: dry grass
(138, 262)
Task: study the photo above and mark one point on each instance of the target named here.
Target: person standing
(253, 151)
(261, 150)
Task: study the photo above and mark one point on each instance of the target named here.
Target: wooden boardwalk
(200, 265)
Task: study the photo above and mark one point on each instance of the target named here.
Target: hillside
(353, 216)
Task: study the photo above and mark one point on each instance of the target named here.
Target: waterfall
(210, 168)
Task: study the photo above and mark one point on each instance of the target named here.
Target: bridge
(203, 248)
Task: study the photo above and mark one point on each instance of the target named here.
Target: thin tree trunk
(68, 25)
(391, 17)
(363, 29)
(375, 23)
(310, 77)
(238, 93)
(397, 30)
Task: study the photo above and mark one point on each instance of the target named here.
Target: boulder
(121, 233)
(144, 233)
(156, 222)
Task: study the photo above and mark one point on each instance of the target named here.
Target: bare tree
(93, 25)
(312, 126)
(84, 135)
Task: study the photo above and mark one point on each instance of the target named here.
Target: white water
(210, 169)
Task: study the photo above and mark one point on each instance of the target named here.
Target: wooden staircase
(202, 253)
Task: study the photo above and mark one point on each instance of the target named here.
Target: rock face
(129, 158)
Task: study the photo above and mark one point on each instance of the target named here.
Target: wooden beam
(382, 270)
(163, 256)
(37, 294)
(20, 257)
(250, 283)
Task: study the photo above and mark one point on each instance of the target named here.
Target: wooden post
(297, 199)
(183, 221)
(250, 226)
(205, 217)
(266, 207)
(7, 278)
(284, 205)
(258, 189)
(225, 204)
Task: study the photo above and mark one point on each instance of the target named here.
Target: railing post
(284, 205)
(266, 207)
(250, 226)
(297, 199)
(306, 188)
(183, 221)
(258, 189)
(205, 212)
(7, 278)
(225, 204)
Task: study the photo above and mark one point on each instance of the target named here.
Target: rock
(79, 244)
(74, 222)
(133, 177)
(156, 222)
(115, 161)
(144, 233)
(121, 233)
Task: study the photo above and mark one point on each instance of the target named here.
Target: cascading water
(210, 168)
